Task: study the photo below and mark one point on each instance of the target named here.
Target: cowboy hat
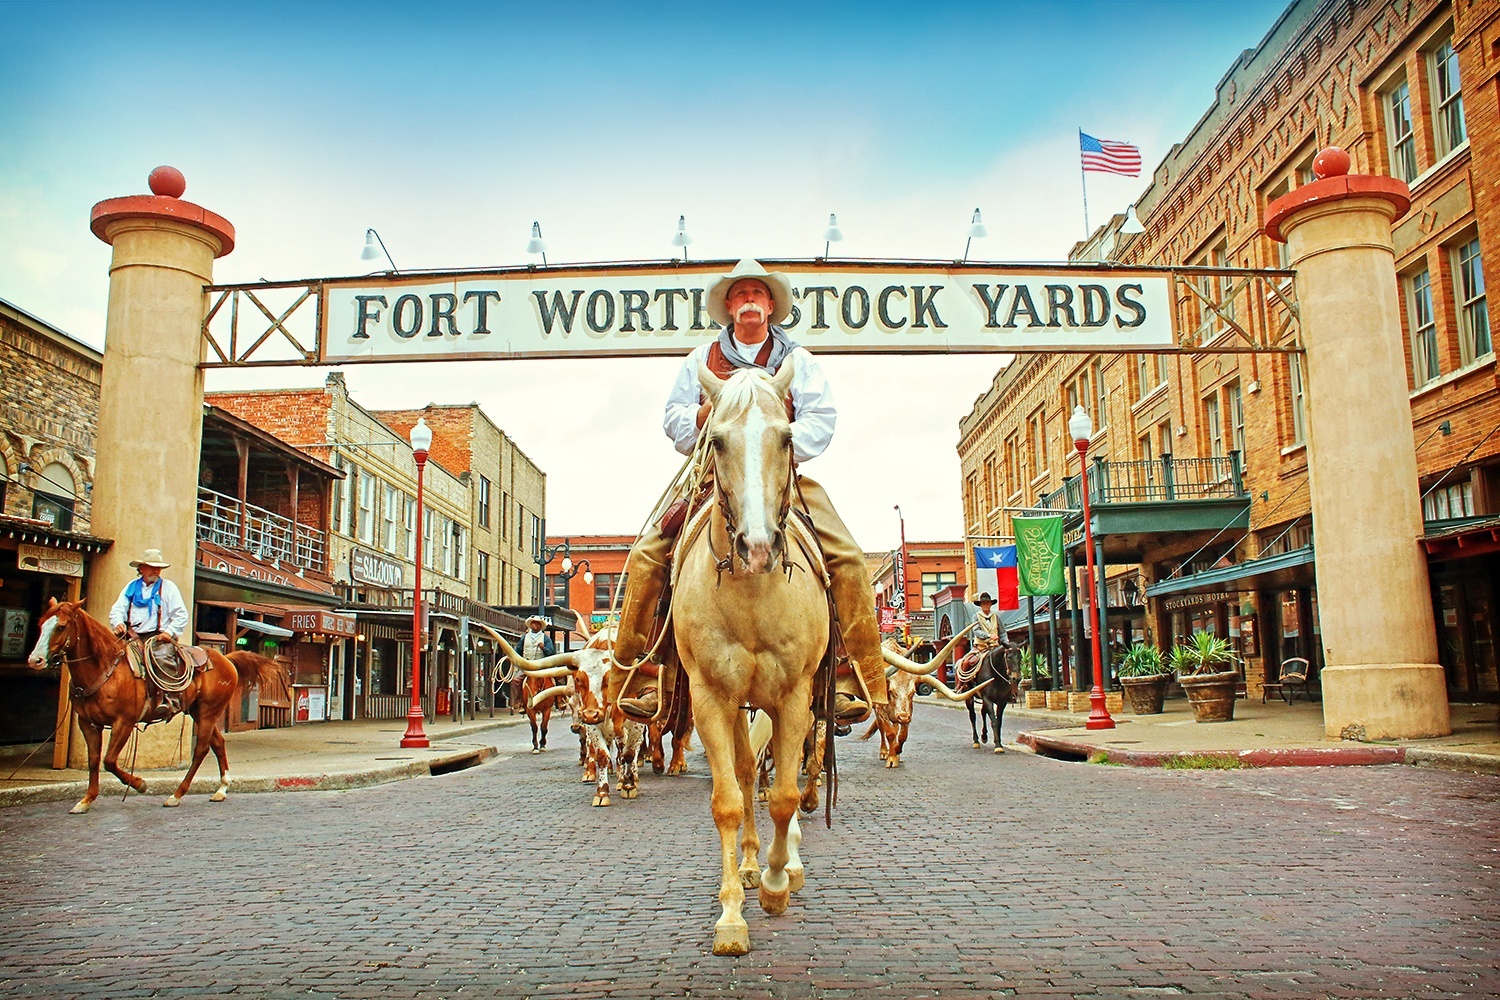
(984, 597)
(718, 291)
(153, 557)
(536, 618)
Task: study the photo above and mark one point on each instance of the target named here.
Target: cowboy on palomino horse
(149, 614)
(748, 303)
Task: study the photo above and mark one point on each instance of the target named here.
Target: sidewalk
(1271, 735)
(307, 757)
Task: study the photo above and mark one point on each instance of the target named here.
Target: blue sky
(450, 127)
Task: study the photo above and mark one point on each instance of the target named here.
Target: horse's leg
(220, 751)
(789, 732)
(813, 765)
(716, 724)
(973, 722)
(118, 736)
(93, 736)
(546, 719)
(999, 715)
(680, 739)
(531, 717)
(203, 739)
(745, 772)
(794, 873)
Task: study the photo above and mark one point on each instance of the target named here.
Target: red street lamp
(1082, 428)
(421, 440)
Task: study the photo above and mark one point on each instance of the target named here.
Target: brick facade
(50, 410)
(1325, 74)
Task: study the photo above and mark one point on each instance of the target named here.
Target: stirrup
(644, 708)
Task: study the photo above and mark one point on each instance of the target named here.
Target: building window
(1299, 398)
(428, 558)
(1449, 98)
(1402, 140)
(521, 526)
(1445, 502)
(484, 502)
(1236, 401)
(56, 511)
(336, 506)
(1101, 399)
(1143, 374)
(482, 579)
(460, 551)
(1213, 426)
(536, 533)
(989, 483)
(604, 589)
(557, 589)
(388, 519)
(1163, 368)
(1214, 293)
(365, 523)
(1424, 356)
(410, 518)
(1164, 438)
(1039, 443)
(504, 516)
(1146, 455)
(934, 582)
(1473, 311)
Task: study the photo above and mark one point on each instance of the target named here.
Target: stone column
(151, 402)
(1382, 679)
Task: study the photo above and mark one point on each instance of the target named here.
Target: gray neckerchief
(781, 346)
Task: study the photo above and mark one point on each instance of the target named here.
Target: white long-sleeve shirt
(813, 411)
(173, 613)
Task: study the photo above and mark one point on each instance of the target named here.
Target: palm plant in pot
(1205, 669)
(1144, 678)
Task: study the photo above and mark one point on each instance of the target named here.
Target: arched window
(53, 496)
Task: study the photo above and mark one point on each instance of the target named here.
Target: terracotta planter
(1146, 694)
(1211, 695)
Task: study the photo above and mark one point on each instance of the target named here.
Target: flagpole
(1084, 174)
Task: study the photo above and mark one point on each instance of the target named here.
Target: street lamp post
(421, 441)
(543, 555)
(901, 569)
(1082, 428)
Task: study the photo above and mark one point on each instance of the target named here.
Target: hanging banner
(659, 310)
(1039, 554)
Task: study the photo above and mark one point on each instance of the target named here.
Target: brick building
(1201, 486)
(48, 410)
(483, 505)
(931, 567)
(597, 571)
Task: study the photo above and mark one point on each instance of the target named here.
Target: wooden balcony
(224, 520)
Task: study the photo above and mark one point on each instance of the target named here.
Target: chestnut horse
(107, 695)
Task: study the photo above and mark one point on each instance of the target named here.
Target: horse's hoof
(999, 749)
(601, 800)
(977, 745)
(795, 878)
(80, 808)
(775, 903)
(630, 793)
(676, 770)
(732, 939)
(763, 796)
(535, 750)
(172, 802)
(219, 796)
(750, 878)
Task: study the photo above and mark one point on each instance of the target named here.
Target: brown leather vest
(723, 367)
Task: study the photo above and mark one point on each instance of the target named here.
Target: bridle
(58, 657)
(731, 528)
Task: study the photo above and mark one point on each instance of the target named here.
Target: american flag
(1108, 156)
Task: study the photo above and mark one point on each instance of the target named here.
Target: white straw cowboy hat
(536, 618)
(153, 557)
(718, 291)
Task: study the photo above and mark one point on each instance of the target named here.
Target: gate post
(151, 398)
(1382, 679)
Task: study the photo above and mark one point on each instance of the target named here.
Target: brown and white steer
(893, 719)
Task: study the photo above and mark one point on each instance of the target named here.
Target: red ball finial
(167, 182)
(1331, 162)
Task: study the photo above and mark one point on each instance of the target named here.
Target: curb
(1043, 745)
(63, 791)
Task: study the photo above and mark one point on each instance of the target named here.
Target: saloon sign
(840, 309)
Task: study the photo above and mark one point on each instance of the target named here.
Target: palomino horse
(106, 694)
(751, 624)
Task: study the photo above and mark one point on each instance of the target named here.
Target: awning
(1461, 538)
(1276, 572)
(265, 628)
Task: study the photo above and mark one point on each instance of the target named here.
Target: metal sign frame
(1214, 310)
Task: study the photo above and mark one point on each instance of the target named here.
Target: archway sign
(168, 321)
(840, 307)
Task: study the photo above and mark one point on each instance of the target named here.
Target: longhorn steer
(894, 718)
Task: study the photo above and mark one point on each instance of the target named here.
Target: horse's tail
(254, 669)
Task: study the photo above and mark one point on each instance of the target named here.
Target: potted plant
(1144, 678)
(1205, 669)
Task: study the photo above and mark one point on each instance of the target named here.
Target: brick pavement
(962, 874)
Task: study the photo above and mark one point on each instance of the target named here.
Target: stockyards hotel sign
(659, 310)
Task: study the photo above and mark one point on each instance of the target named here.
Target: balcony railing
(1163, 480)
(266, 535)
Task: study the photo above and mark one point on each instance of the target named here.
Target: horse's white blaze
(43, 643)
(754, 519)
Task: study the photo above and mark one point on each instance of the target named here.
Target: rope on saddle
(166, 666)
(967, 669)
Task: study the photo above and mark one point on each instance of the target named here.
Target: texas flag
(995, 574)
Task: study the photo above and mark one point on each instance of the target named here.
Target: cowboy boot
(864, 685)
(639, 613)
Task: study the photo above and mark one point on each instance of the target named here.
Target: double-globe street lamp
(421, 441)
(545, 554)
(1082, 428)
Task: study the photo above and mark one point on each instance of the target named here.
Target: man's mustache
(749, 307)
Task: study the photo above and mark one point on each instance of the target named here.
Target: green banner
(1039, 554)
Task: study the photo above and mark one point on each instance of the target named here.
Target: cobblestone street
(962, 874)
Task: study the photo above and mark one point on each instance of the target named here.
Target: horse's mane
(740, 393)
(97, 634)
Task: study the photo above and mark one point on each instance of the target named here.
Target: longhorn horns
(902, 663)
(556, 665)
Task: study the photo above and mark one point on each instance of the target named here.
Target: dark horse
(990, 666)
(107, 695)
